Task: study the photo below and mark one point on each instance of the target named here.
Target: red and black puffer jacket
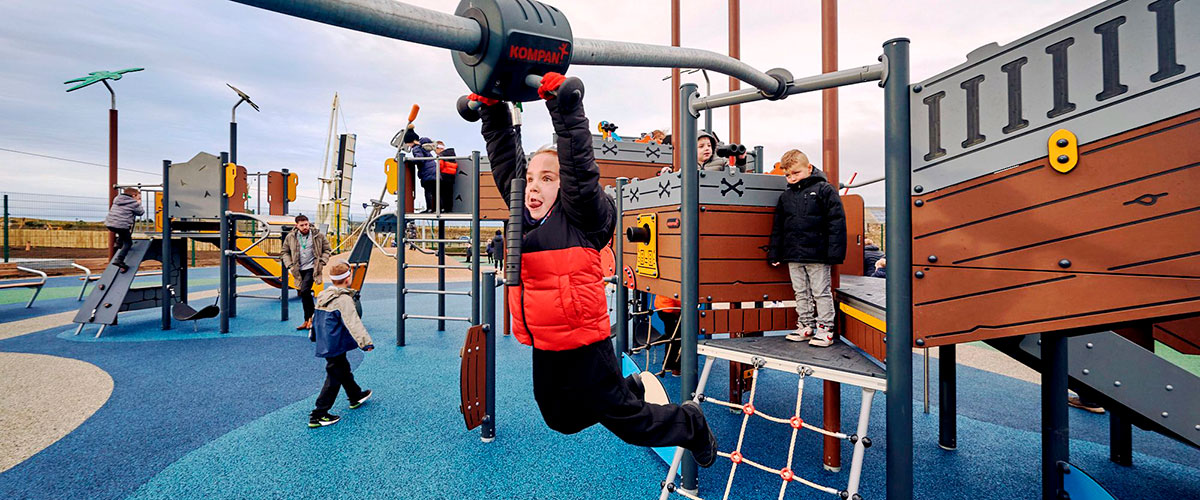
(560, 304)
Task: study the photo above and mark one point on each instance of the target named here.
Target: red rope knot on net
(787, 474)
(796, 422)
(735, 457)
(748, 409)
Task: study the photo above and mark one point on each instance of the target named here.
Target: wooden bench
(35, 285)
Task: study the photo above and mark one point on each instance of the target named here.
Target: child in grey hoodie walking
(337, 329)
(125, 209)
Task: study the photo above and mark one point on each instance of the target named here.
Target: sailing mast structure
(336, 180)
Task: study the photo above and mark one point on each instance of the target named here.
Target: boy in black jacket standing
(810, 235)
(559, 307)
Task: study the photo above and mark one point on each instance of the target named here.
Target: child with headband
(337, 329)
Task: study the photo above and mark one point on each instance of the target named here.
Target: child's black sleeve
(582, 199)
(503, 146)
(835, 220)
(776, 231)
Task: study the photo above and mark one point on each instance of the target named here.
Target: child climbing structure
(195, 194)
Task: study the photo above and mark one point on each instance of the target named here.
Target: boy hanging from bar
(560, 306)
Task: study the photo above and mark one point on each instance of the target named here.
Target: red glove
(483, 100)
(550, 83)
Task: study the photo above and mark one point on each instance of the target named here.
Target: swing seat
(184, 312)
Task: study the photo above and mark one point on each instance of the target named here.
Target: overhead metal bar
(808, 84)
(409, 23)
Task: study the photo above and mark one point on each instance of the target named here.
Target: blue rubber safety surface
(59, 294)
(226, 418)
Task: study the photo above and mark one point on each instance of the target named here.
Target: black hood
(817, 176)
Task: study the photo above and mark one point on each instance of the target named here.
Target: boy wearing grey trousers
(809, 234)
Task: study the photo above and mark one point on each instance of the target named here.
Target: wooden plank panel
(1034, 182)
(1085, 300)
(1080, 229)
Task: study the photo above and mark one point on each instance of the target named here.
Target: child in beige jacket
(337, 329)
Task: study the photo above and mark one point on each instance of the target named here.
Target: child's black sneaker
(706, 454)
(355, 404)
(322, 421)
(122, 266)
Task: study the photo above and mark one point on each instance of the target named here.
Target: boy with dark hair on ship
(337, 329)
(809, 234)
(559, 307)
(125, 210)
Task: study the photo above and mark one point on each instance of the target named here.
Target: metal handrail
(266, 232)
(87, 278)
(861, 184)
(33, 271)
(371, 235)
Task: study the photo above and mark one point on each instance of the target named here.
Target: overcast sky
(180, 105)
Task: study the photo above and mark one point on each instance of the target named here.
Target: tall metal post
(401, 248)
(947, 397)
(832, 391)
(622, 297)
(675, 81)
(223, 291)
(6, 228)
(112, 165)
(233, 141)
(474, 251)
(286, 184)
(167, 299)
(759, 166)
(441, 297)
(283, 285)
(487, 431)
(689, 293)
(735, 51)
(1056, 429)
(898, 169)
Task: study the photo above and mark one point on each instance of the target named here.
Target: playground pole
(689, 294)
(401, 189)
(233, 141)
(487, 432)
(831, 391)
(223, 291)
(6, 228)
(947, 398)
(735, 51)
(622, 298)
(898, 169)
(441, 272)
(1056, 429)
(112, 164)
(474, 251)
(286, 183)
(167, 298)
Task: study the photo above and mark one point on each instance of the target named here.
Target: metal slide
(1158, 395)
(112, 291)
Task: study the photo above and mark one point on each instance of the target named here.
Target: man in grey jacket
(305, 253)
(125, 210)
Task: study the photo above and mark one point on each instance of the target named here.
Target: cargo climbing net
(785, 473)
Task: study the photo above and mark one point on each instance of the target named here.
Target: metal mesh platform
(839, 362)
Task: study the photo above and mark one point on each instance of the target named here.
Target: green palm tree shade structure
(98, 76)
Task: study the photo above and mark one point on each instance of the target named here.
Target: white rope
(737, 458)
